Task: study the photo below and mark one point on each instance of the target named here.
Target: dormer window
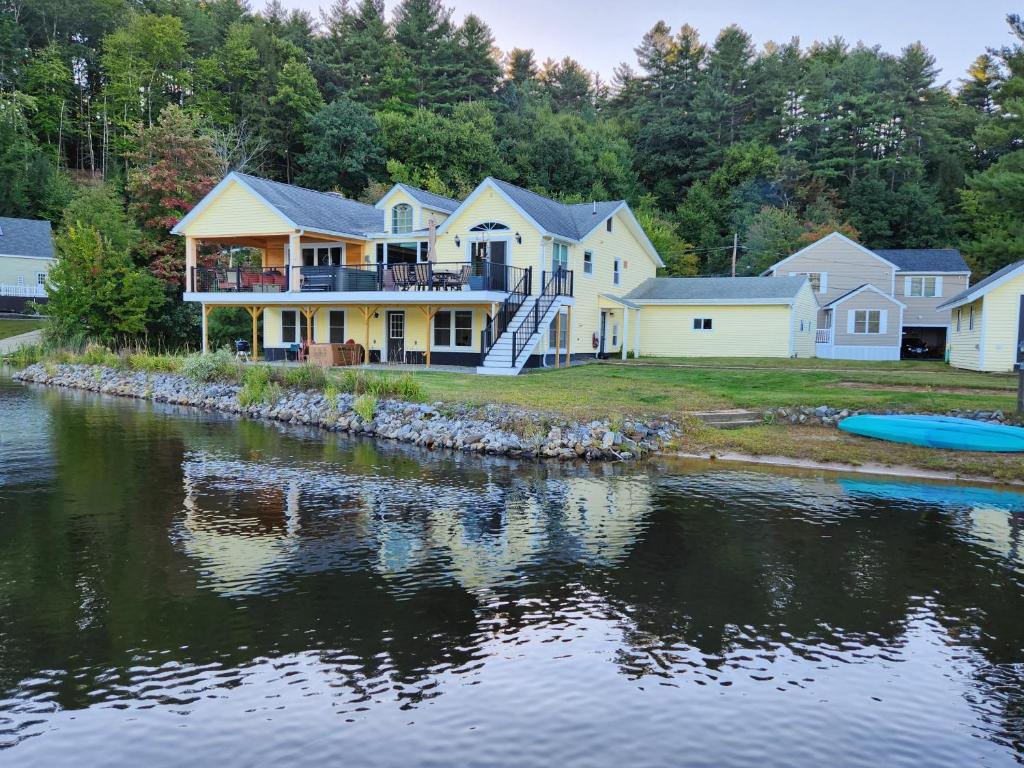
(401, 218)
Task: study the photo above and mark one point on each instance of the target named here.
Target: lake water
(183, 589)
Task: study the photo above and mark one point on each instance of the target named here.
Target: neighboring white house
(26, 255)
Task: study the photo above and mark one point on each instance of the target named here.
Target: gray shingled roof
(429, 199)
(684, 289)
(924, 259)
(324, 211)
(982, 284)
(568, 220)
(25, 237)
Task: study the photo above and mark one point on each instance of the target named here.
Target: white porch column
(206, 328)
(190, 263)
(294, 260)
(625, 332)
(636, 336)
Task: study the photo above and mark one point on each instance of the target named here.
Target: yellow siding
(636, 268)
(1001, 324)
(355, 326)
(805, 310)
(965, 344)
(739, 331)
(420, 215)
(236, 212)
(13, 267)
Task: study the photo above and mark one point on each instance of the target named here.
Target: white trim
(288, 299)
(932, 272)
(473, 330)
(583, 267)
(866, 287)
(714, 302)
(178, 229)
(827, 237)
(488, 183)
(419, 204)
(977, 293)
(26, 256)
(981, 340)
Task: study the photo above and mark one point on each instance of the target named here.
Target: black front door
(604, 326)
(395, 320)
(1020, 334)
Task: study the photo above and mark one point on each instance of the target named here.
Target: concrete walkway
(11, 343)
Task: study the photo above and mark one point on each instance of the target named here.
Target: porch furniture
(299, 351)
(452, 281)
(228, 280)
(351, 354)
(402, 277)
(424, 273)
(318, 281)
(264, 282)
(415, 357)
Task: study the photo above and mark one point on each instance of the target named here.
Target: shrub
(214, 366)
(256, 385)
(380, 385)
(365, 406)
(97, 354)
(26, 355)
(305, 376)
(144, 361)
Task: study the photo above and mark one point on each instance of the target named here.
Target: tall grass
(305, 376)
(380, 385)
(213, 366)
(365, 406)
(258, 386)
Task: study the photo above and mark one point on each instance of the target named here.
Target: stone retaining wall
(498, 430)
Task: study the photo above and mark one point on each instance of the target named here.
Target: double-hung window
(588, 263)
(818, 280)
(867, 321)
(923, 286)
(291, 329)
(970, 319)
(453, 328)
(617, 272)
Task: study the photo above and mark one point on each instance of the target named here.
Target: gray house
(871, 301)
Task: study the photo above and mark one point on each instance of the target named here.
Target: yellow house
(721, 317)
(502, 280)
(987, 328)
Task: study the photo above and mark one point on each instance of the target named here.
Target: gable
(829, 250)
(626, 234)
(488, 204)
(231, 210)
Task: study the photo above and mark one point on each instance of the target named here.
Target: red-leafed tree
(174, 166)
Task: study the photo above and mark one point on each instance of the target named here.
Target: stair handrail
(550, 290)
(508, 309)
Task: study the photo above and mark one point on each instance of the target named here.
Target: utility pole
(735, 247)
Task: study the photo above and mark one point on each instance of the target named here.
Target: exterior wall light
(458, 243)
(519, 239)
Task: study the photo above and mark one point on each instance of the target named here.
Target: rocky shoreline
(495, 430)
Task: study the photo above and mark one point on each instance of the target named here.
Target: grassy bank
(658, 390)
(16, 326)
(642, 389)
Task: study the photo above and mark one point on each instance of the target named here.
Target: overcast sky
(601, 33)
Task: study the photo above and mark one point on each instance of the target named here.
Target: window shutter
(824, 282)
(938, 285)
(883, 319)
(850, 319)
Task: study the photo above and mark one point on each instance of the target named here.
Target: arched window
(401, 218)
(487, 226)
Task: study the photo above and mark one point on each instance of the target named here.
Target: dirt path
(942, 390)
(787, 369)
(12, 343)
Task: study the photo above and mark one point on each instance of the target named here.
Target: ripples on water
(182, 589)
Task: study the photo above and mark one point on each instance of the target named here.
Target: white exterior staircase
(498, 362)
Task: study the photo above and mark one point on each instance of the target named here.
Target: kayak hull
(946, 432)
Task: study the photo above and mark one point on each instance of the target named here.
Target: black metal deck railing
(479, 275)
(554, 284)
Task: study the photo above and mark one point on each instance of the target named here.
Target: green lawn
(16, 326)
(597, 390)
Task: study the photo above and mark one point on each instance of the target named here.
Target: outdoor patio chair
(402, 277)
(424, 276)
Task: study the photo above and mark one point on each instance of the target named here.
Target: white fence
(823, 336)
(25, 291)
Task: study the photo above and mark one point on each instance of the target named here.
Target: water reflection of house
(250, 524)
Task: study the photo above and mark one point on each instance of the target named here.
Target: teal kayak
(938, 432)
